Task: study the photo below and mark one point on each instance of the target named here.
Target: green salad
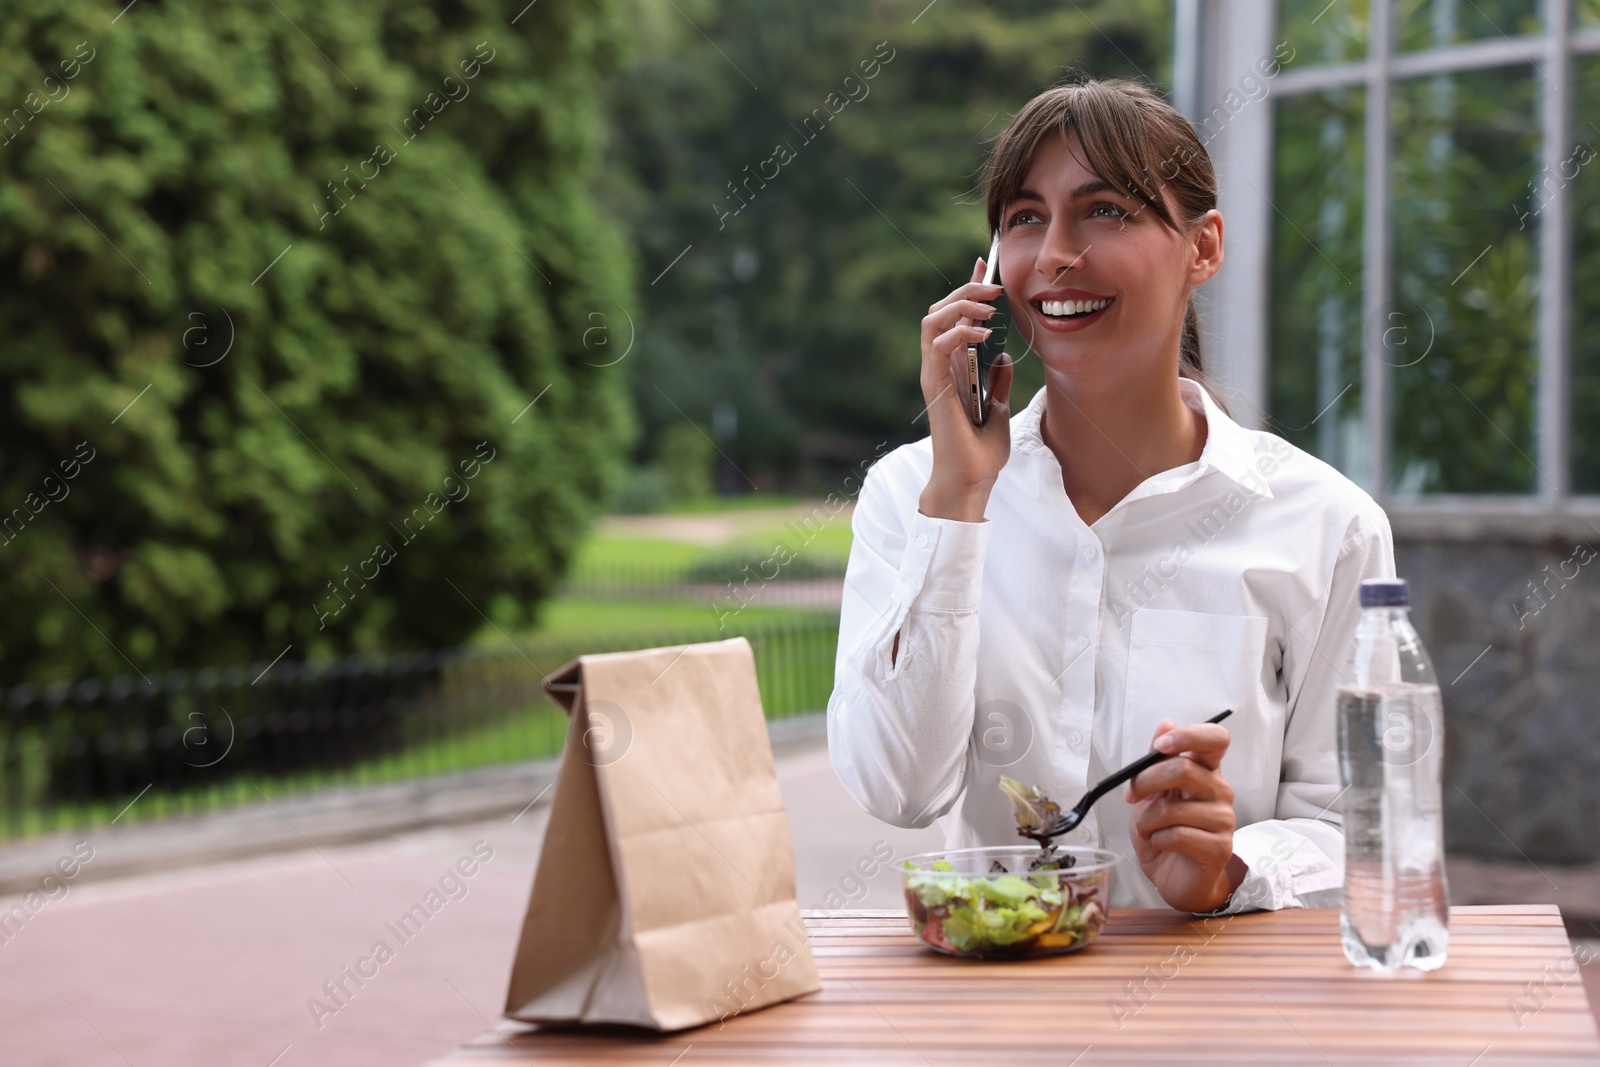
(1049, 909)
(1003, 914)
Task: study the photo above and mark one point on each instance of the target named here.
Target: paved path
(213, 966)
(719, 528)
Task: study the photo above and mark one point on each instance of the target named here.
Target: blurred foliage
(281, 348)
(1464, 152)
(1320, 32)
(685, 462)
(1425, 24)
(795, 216)
(1459, 326)
(682, 475)
(1315, 301)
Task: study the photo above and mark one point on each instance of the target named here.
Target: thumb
(1001, 374)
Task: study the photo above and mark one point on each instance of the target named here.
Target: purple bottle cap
(1385, 593)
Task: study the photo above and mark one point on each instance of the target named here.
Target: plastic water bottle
(1391, 754)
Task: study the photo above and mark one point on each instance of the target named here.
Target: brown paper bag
(664, 895)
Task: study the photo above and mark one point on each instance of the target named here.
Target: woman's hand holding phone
(966, 459)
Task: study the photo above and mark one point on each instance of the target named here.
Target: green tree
(311, 283)
(687, 459)
(803, 281)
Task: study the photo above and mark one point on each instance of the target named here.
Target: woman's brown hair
(1133, 139)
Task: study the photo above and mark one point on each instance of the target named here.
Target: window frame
(1212, 37)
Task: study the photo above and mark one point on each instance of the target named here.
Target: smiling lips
(1064, 310)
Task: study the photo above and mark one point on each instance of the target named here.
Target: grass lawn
(572, 617)
(601, 554)
(668, 545)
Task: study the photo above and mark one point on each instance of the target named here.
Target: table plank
(1159, 987)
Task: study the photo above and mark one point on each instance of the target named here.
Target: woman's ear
(1205, 243)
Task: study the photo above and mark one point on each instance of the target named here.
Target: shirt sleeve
(899, 726)
(1296, 860)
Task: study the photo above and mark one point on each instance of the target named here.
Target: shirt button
(1074, 739)
(1091, 553)
(922, 539)
(1083, 642)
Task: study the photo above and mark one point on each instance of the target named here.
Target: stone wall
(1510, 612)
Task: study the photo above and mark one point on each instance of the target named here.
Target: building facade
(1411, 291)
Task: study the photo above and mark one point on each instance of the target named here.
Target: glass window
(1581, 172)
(1424, 24)
(1465, 254)
(1322, 32)
(1315, 302)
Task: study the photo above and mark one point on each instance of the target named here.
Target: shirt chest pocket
(1186, 666)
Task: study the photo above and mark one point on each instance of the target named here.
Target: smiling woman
(1050, 596)
(1162, 170)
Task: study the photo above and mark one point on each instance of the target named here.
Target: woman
(1049, 595)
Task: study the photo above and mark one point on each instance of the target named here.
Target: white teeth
(1062, 308)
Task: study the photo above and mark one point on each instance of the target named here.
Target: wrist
(959, 505)
(1228, 881)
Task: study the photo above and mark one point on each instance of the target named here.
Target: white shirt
(1038, 647)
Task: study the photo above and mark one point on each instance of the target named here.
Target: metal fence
(101, 751)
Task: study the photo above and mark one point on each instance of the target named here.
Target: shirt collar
(1228, 446)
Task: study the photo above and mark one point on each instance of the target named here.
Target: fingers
(1171, 813)
(956, 313)
(1201, 830)
(1212, 848)
(970, 296)
(949, 327)
(1181, 773)
(967, 458)
(1203, 741)
(954, 342)
(1195, 771)
(972, 292)
(957, 338)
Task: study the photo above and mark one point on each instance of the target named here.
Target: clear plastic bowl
(989, 903)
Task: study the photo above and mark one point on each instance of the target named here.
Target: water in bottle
(1391, 755)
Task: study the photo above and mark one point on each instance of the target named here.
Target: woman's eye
(1020, 215)
(1115, 211)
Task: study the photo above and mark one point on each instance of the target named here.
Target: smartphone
(981, 356)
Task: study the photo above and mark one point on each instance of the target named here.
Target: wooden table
(1268, 988)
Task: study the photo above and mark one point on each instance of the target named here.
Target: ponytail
(1191, 361)
(1189, 356)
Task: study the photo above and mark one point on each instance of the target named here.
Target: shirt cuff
(1286, 870)
(942, 569)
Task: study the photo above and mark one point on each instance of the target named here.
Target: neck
(1108, 440)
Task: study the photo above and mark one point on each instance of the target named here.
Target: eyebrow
(1099, 185)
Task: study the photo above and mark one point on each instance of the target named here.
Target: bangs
(1129, 140)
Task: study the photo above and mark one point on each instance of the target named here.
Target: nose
(1061, 251)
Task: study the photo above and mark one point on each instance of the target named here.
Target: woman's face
(1070, 238)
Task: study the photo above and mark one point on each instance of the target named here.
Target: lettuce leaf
(936, 889)
(969, 928)
(1035, 811)
(1006, 890)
